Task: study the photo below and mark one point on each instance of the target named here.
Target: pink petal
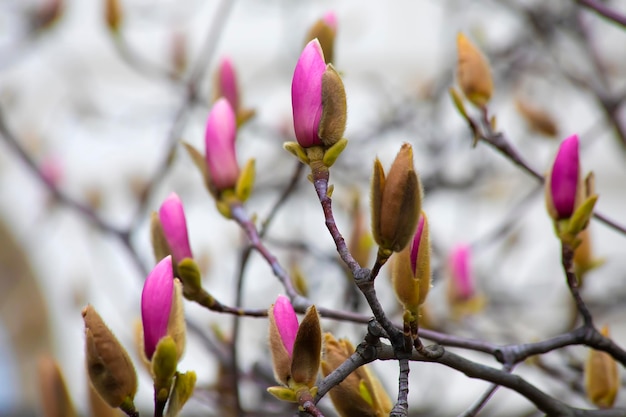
(286, 322)
(415, 246)
(221, 159)
(172, 216)
(306, 94)
(564, 178)
(156, 303)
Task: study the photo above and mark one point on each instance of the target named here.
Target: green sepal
(332, 153)
(189, 274)
(183, 388)
(283, 394)
(224, 208)
(164, 364)
(580, 219)
(245, 182)
(295, 149)
(458, 102)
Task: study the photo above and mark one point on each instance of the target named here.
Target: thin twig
(605, 11)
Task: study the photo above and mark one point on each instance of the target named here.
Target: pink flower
(221, 159)
(286, 322)
(156, 304)
(227, 83)
(172, 217)
(306, 94)
(565, 177)
(462, 280)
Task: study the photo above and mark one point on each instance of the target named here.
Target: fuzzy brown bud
(334, 108)
(307, 349)
(109, 367)
(360, 393)
(113, 14)
(325, 33)
(538, 120)
(473, 72)
(602, 380)
(396, 201)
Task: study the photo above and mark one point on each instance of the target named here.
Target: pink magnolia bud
(286, 322)
(221, 159)
(172, 217)
(462, 284)
(330, 18)
(227, 83)
(306, 94)
(51, 170)
(156, 304)
(564, 178)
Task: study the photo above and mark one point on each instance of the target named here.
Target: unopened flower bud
(221, 158)
(109, 367)
(360, 393)
(318, 99)
(411, 269)
(296, 349)
(55, 399)
(602, 381)
(461, 287)
(174, 224)
(113, 14)
(473, 72)
(226, 83)
(161, 308)
(538, 120)
(563, 185)
(325, 30)
(396, 202)
(283, 330)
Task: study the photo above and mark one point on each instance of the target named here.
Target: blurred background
(99, 117)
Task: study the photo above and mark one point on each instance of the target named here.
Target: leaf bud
(602, 381)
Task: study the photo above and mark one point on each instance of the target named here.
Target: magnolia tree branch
(401, 408)
(605, 11)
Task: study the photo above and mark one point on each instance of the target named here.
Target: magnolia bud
(473, 72)
(396, 201)
(283, 330)
(411, 269)
(161, 309)
(325, 30)
(602, 380)
(113, 14)
(538, 120)
(563, 185)
(226, 83)
(109, 367)
(220, 135)
(306, 94)
(360, 393)
(174, 225)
